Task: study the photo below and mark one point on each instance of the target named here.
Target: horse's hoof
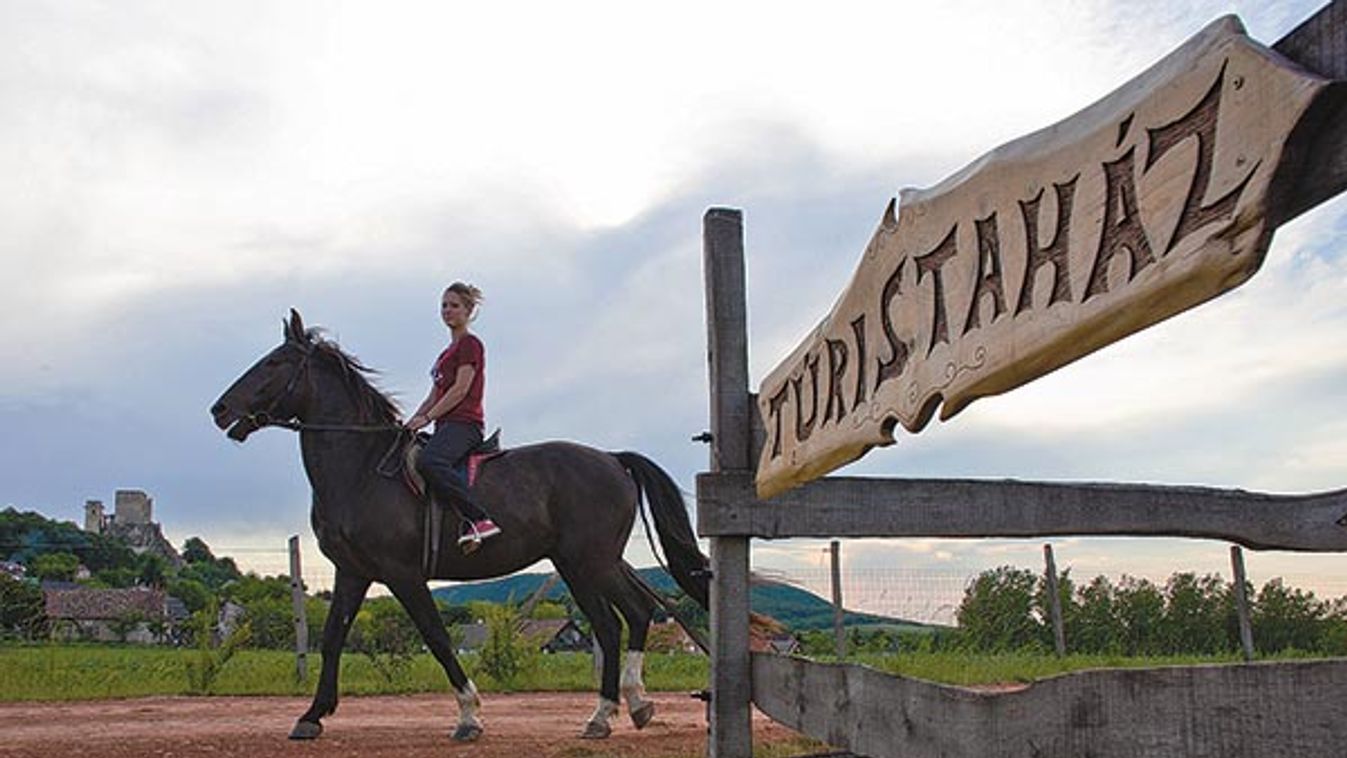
(641, 716)
(597, 730)
(467, 733)
(306, 730)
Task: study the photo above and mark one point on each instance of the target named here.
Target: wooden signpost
(1158, 197)
(1162, 195)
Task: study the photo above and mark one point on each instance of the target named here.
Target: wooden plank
(297, 601)
(731, 683)
(839, 613)
(1319, 169)
(1159, 197)
(1242, 602)
(1320, 43)
(727, 338)
(1261, 709)
(1054, 602)
(727, 357)
(866, 507)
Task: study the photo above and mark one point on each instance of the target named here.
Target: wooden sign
(1141, 206)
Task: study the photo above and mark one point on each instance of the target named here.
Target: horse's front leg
(348, 592)
(416, 599)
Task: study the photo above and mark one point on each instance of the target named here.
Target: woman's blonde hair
(469, 292)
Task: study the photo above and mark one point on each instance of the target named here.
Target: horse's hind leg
(416, 598)
(348, 592)
(608, 632)
(636, 608)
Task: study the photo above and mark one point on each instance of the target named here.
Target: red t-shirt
(467, 351)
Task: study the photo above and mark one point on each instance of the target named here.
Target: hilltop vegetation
(797, 609)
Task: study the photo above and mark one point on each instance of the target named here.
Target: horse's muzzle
(236, 427)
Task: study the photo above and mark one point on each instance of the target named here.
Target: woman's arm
(447, 402)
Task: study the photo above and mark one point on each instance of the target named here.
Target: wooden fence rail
(1263, 710)
(864, 507)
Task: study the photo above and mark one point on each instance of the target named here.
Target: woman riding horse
(561, 501)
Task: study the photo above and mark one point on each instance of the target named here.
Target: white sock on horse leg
(605, 712)
(633, 688)
(468, 705)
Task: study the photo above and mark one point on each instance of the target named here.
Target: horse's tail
(689, 567)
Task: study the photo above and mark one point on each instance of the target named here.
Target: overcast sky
(175, 175)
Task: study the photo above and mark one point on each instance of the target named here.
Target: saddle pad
(466, 469)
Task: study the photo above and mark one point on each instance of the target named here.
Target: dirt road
(532, 725)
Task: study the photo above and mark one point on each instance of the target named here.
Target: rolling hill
(798, 609)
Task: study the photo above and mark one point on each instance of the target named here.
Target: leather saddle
(401, 462)
(466, 470)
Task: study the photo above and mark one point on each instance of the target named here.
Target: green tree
(1141, 611)
(506, 654)
(124, 624)
(211, 655)
(195, 550)
(1287, 619)
(26, 535)
(22, 611)
(548, 609)
(273, 623)
(1094, 627)
(385, 634)
(214, 574)
(116, 577)
(251, 587)
(1197, 612)
(191, 592)
(151, 570)
(454, 615)
(997, 611)
(1333, 635)
(60, 567)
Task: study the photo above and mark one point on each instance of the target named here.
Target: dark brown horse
(562, 501)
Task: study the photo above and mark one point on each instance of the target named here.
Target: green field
(84, 672)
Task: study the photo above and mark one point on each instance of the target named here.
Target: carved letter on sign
(1139, 207)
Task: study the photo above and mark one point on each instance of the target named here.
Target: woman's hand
(417, 421)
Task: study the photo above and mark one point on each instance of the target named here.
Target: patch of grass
(965, 669)
(95, 671)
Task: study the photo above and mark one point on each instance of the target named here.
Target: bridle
(266, 417)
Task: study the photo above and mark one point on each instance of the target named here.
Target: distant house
(550, 635)
(554, 635)
(469, 637)
(13, 570)
(783, 645)
(767, 635)
(106, 614)
(669, 637)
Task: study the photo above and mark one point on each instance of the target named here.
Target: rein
(265, 419)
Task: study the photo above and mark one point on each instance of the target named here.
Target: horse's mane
(373, 404)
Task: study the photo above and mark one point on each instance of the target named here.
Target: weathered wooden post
(301, 614)
(1242, 602)
(839, 629)
(731, 409)
(1054, 603)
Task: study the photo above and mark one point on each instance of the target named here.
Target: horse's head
(272, 390)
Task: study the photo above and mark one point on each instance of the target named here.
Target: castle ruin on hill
(133, 523)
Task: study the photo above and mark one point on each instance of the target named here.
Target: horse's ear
(294, 328)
